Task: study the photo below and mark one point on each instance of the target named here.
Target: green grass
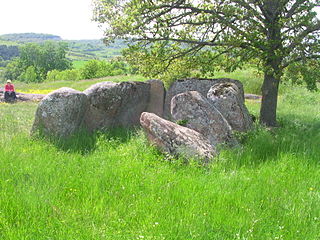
(78, 64)
(113, 185)
(250, 78)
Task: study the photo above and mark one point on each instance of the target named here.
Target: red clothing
(9, 88)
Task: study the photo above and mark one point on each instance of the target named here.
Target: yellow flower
(38, 91)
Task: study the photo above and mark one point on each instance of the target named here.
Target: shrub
(29, 75)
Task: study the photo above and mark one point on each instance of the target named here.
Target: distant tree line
(92, 69)
(36, 60)
(30, 37)
(8, 52)
(48, 62)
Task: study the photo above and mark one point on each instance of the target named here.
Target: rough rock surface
(228, 99)
(60, 113)
(116, 104)
(193, 84)
(199, 114)
(157, 95)
(175, 139)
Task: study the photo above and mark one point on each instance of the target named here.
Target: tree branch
(298, 59)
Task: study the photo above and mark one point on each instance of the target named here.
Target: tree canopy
(274, 33)
(36, 60)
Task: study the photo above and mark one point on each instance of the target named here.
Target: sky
(69, 19)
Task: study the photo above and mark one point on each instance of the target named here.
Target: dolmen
(192, 119)
(102, 106)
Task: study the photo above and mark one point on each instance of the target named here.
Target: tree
(13, 69)
(29, 75)
(44, 57)
(36, 60)
(273, 33)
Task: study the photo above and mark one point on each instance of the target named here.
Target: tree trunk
(268, 110)
(272, 74)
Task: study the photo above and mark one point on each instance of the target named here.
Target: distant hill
(78, 49)
(30, 37)
(94, 49)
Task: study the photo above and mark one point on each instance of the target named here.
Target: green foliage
(99, 68)
(152, 63)
(29, 75)
(182, 122)
(41, 57)
(70, 74)
(8, 52)
(307, 72)
(92, 69)
(13, 69)
(229, 32)
(204, 34)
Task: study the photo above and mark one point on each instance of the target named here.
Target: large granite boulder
(157, 95)
(60, 113)
(228, 99)
(176, 139)
(200, 85)
(116, 104)
(200, 115)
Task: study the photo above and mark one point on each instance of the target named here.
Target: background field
(79, 50)
(113, 185)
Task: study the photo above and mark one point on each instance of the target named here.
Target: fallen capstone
(60, 113)
(228, 99)
(175, 139)
(116, 104)
(200, 85)
(197, 113)
(157, 95)
(24, 97)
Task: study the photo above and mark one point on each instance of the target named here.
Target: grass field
(113, 185)
(78, 64)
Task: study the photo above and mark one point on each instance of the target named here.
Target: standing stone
(60, 113)
(116, 104)
(175, 139)
(200, 85)
(228, 99)
(157, 95)
(200, 115)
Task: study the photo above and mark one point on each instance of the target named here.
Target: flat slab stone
(227, 98)
(175, 139)
(200, 85)
(116, 104)
(200, 115)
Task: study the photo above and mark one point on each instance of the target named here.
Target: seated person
(9, 91)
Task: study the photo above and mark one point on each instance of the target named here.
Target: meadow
(114, 185)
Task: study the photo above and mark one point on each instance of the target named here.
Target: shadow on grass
(85, 142)
(294, 137)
